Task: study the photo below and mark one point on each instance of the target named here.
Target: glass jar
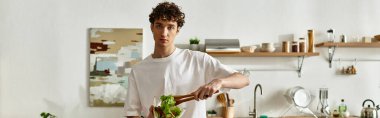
(330, 35)
(343, 38)
(295, 47)
(302, 45)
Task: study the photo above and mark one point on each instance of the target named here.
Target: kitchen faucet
(254, 113)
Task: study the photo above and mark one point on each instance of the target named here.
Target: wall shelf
(349, 45)
(333, 45)
(300, 56)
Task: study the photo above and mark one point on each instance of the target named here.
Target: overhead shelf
(300, 56)
(333, 45)
(349, 45)
(263, 54)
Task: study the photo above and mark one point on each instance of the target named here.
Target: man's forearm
(235, 81)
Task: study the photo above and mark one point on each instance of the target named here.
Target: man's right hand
(150, 115)
(206, 91)
(151, 110)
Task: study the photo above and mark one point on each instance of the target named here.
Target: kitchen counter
(287, 117)
(311, 117)
(282, 117)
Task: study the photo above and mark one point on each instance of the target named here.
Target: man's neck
(161, 52)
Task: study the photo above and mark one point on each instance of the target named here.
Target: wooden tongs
(183, 98)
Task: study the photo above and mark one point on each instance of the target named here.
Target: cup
(267, 47)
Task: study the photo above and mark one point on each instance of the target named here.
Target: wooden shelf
(262, 54)
(300, 56)
(332, 47)
(350, 45)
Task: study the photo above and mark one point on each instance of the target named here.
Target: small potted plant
(194, 44)
(47, 115)
(211, 113)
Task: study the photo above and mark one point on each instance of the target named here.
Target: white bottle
(330, 35)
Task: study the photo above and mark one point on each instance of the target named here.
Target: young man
(170, 70)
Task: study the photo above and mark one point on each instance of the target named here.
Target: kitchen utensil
(369, 112)
(267, 47)
(231, 102)
(222, 45)
(230, 111)
(323, 106)
(300, 98)
(222, 99)
(249, 49)
(183, 98)
(228, 100)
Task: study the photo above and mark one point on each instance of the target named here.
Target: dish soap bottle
(342, 108)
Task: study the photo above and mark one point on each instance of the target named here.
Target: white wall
(43, 49)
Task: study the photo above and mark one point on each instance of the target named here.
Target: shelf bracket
(331, 51)
(300, 64)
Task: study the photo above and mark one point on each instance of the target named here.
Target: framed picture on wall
(113, 51)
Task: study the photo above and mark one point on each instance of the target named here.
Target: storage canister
(310, 34)
(302, 45)
(295, 47)
(286, 46)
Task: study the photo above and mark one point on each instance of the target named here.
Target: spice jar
(286, 46)
(302, 45)
(295, 46)
(343, 38)
(335, 113)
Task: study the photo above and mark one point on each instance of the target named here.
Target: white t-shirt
(183, 72)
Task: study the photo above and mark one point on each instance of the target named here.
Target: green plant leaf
(168, 107)
(194, 40)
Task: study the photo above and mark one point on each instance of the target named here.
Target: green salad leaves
(168, 107)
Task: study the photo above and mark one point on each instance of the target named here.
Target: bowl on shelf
(267, 47)
(249, 49)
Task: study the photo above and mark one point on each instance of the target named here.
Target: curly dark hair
(167, 11)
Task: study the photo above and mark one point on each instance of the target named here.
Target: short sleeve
(215, 69)
(132, 104)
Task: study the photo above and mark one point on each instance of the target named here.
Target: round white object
(302, 98)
